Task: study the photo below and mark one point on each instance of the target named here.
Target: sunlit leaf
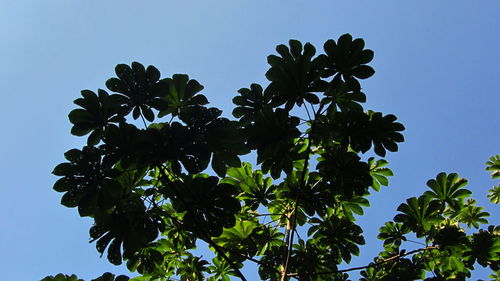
(448, 188)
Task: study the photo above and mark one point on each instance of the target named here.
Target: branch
(370, 265)
(297, 198)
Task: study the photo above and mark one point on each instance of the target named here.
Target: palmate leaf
(120, 145)
(128, 226)
(347, 57)
(97, 112)
(314, 196)
(419, 214)
(173, 143)
(193, 144)
(250, 102)
(448, 261)
(350, 206)
(344, 96)
(485, 246)
(273, 136)
(384, 132)
(239, 232)
(164, 257)
(179, 93)
(448, 188)
(494, 194)
(318, 197)
(294, 75)
(192, 268)
(255, 189)
(86, 182)
(379, 172)
(242, 238)
(309, 258)
(151, 261)
(138, 89)
(451, 237)
(473, 216)
(340, 235)
(393, 235)
(225, 150)
(349, 128)
(494, 166)
(360, 130)
(206, 128)
(344, 173)
(221, 270)
(209, 205)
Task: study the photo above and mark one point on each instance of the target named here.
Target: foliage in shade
(156, 191)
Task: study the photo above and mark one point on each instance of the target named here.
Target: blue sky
(437, 66)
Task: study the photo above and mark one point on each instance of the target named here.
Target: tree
(146, 183)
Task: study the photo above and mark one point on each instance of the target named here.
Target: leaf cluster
(155, 191)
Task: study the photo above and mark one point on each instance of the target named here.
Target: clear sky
(437, 63)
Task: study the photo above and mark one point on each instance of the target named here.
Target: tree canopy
(161, 173)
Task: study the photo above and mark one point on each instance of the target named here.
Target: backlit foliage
(161, 173)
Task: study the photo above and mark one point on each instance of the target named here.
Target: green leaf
(352, 206)
(255, 189)
(344, 172)
(205, 129)
(494, 166)
(379, 173)
(179, 93)
(250, 102)
(485, 246)
(96, 114)
(448, 188)
(345, 96)
(138, 89)
(384, 132)
(294, 75)
(451, 237)
(83, 178)
(239, 239)
(347, 58)
(473, 216)
(210, 205)
(273, 135)
(494, 194)
(340, 235)
(358, 131)
(393, 235)
(419, 214)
